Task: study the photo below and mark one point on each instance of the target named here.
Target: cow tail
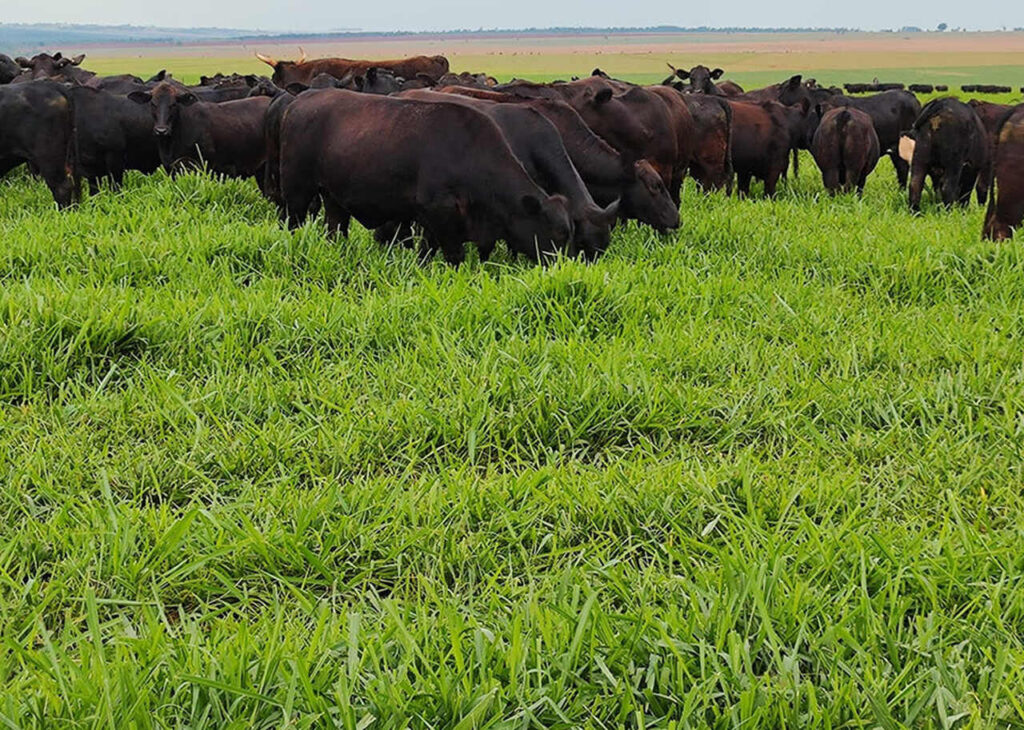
(71, 152)
(841, 124)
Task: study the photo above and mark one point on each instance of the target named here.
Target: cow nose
(162, 131)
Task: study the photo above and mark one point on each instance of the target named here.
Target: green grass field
(762, 473)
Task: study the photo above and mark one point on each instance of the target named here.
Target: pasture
(764, 472)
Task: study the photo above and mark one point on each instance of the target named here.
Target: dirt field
(751, 58)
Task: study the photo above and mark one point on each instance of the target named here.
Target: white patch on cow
(907, 148)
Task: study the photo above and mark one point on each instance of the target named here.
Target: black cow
(228, 136)
(366, 156)
(948, 143)
(37, 120)
(114, 134)
(608, 174)
(1006, 206)
(57, 66)
(538, 145)
(9, 69)
(760, 143)
(921, 88)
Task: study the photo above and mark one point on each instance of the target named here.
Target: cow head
(45, 66)
(539, 224)
(165, 102)
(792, 91)
(9, 69)
(594, 229)
(646, 198)
(701, 78)
(286, 72)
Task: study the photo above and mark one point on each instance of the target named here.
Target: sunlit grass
(765, 472)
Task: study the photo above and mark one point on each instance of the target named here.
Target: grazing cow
(941, 87)
(893, 112)
(948, 143)
(539, 147)
(37, 120)
(1006, 206)
(9, 69)
(986, 89)
(608, 174)
(921, 88)
(846, 148)
(303, 71)
(711, 165)
(228, 136)
(365, 156)
(114, 134)
(631, 119)
(760, 144)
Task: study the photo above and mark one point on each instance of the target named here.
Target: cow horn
(266, 59)
(303, 59)
(671, 67)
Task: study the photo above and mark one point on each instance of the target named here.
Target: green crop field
(765, 472)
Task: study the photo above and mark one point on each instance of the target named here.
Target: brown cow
(711, 165)
(1006, 206)
(846, 148)
(303, 71)
(760, 144)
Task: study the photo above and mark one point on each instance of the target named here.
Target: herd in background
(406, 145)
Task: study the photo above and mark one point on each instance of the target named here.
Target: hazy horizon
(445, 15)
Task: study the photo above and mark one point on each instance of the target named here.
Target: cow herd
(406, 145)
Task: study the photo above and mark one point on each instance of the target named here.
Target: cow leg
(742, 184)
(830, 179)
(336, 216)
(951, 186)
(968, 178)
(917, 176)
(771, 183)
(902, 168)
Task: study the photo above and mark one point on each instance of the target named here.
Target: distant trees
(942, 27)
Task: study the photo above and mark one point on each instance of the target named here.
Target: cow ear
(204, 80)
(794, 81)
(295, 88)
(603, 96)
(140, 97)
(371, 74)
(23, 62)
(57, 56)
(531, 204)
(684, 75)
(187, 99)
(611, 213)
(717, 73)
(78, 59)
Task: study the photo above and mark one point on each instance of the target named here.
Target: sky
(327, 15)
